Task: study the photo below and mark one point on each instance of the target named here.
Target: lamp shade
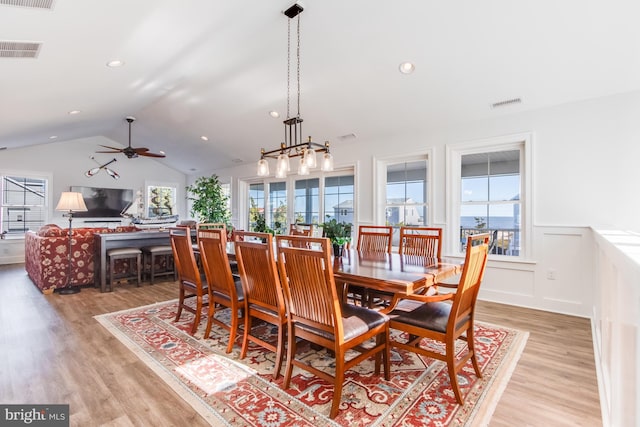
(71, 202)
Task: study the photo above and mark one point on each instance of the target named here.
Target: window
(256, 204)
(309, 200)
(278, 206)
(405, 192)
(161, 201)
(338, 199)
(490, 193)
(24, 204)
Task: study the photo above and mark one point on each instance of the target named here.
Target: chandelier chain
(298, 70)
(288, 65)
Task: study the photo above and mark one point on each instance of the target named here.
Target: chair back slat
(375, 238)
(184, 256)
(258, 270)
(309, 286)
(422, 241)
(472, 274)
(215, 261)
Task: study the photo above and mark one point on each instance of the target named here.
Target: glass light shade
(263, 167)
(281, 173)
(310, 157)
(283, 163)
(327, 162)
(303, 168)
(71, 202)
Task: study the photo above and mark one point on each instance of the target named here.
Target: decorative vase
(337, 250)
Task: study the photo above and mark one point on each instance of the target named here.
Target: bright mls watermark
(34, 415)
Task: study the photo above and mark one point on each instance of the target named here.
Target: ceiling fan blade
(141, 150)
(118, 150)
(146, 153)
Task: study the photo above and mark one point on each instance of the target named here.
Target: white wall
(584, 174)
(67, 162)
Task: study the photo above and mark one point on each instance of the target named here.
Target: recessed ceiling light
(115, 63)
(274, 114)
(53, 136)
(204, 138)
(74, 112)
(407, 68)
(162, 152)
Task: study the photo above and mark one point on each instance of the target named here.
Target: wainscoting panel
(616, 318)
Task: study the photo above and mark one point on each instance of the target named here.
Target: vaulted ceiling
(216, 68)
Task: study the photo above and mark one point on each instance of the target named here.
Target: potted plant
(261, 225)
(338, 232)
(210, 203)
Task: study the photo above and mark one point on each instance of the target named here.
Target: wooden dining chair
(445, 318)
(375, 238)
(262, 291)
(316, 314)
(299, 229)
(191, 283)
(371, 239)
(422, 241)
(225, 289)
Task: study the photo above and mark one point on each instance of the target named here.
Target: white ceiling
(217, 67)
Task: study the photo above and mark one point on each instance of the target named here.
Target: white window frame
(243, 202)
(454, 153)
(380, 175)
(147, 189)
(47, 203)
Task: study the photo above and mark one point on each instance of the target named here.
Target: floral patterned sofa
(46, 255)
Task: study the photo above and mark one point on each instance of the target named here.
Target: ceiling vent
(9, 49)
(506, 102)
(38, 4)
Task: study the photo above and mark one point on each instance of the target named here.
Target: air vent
(347, 136)
(506, 102)
(38, 4)
(9, 49)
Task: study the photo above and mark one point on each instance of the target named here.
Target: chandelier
(294, 146)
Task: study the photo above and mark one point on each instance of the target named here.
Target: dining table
(392, 272)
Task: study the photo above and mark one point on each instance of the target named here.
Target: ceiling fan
(129, 151)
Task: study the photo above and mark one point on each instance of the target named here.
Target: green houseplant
(338, 232)
(210, 203)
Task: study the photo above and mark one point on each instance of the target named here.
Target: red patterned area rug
(228, 391)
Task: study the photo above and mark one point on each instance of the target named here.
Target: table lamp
(70, 202)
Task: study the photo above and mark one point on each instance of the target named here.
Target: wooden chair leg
(337, 385)
(291, 352)
(451, 367)
(196, 321)
(279, 351)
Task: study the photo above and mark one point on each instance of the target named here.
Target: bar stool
(151, 253)
(127, 254)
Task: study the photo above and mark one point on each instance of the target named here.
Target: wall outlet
(551, 274)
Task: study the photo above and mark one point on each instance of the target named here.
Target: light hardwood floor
(53, 351)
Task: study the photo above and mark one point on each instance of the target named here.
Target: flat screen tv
(103, 202)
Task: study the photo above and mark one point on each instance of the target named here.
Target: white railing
(616, 315)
